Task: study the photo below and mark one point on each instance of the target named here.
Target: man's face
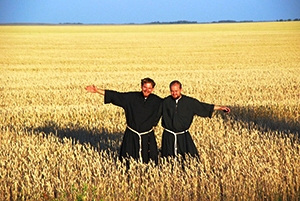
(147, 89)
(175, 91)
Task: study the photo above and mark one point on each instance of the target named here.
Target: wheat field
(58, 142)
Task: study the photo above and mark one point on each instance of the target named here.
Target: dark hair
(148, 80)
(175, 82)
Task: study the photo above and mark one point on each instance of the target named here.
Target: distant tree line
(234, 21)
(175, 22)
(282, 20)
(231, 21)
(155, 22)
(220, 21)
(69, 23)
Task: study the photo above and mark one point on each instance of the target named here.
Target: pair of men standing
(143, 111)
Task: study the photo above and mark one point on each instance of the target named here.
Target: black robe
(177, 117)
(141, 115)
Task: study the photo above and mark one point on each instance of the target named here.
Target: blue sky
(144, 11)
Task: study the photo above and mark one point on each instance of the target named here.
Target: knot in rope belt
(175, 136)
(140, 139)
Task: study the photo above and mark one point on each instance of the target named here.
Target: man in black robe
(142, 112)
(177, 116)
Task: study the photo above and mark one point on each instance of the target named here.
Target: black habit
(176, 119)
(142, 114)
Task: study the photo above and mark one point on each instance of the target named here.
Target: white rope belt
(140, 139)
(175, 136)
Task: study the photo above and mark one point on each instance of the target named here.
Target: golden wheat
(60, 143)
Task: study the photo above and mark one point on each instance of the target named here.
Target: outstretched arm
(223, 108)
(94, 89)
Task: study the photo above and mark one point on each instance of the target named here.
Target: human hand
(91, 88)
(225, 109)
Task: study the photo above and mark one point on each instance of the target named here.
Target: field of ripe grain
(58, 142)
